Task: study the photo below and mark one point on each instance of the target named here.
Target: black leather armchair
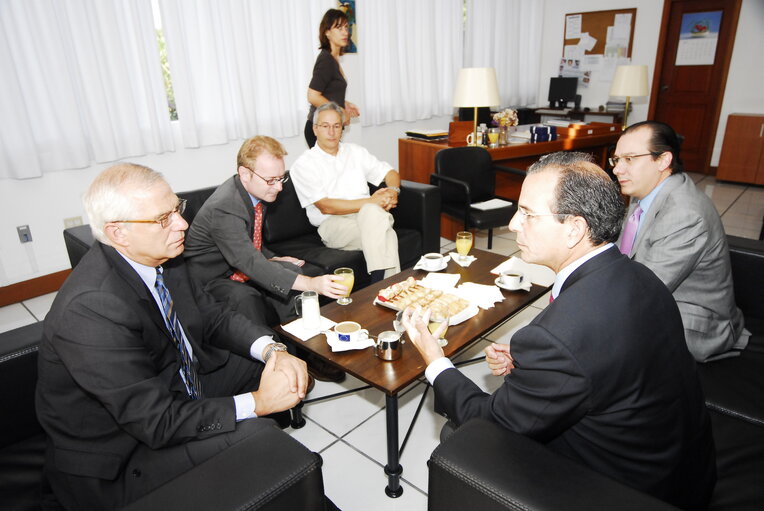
(484, 466)
(466, 175)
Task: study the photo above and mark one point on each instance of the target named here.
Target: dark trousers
(310, 137)
(149, 468)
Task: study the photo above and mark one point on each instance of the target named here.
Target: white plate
(506, 287)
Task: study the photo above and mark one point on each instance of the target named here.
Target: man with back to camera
(225, 250)
(602, 375)
(675, 230)
(331, 182)
(142, 375)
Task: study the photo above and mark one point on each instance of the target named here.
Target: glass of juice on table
(348, 278)
(463, 244)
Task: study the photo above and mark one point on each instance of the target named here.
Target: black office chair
(466, 175)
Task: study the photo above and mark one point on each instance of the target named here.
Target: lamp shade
(629, 81)
(476, 86)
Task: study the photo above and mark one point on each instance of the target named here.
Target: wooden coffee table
(392, 377)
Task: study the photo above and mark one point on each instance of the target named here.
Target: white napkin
(336, 345)
(440, 281)
(298, 330)
(481, 295)
(458, 259)
(420, 264)
(534, 273)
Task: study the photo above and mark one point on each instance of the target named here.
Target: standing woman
(328, 82)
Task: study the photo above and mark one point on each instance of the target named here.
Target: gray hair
(108, 198)
(330, 105)
(583, 189)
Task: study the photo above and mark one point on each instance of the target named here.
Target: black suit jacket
(603, 375)
(108, 370)
(219, 242)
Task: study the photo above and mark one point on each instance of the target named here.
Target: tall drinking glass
(436, 320)
(348, 279)
(463, 244)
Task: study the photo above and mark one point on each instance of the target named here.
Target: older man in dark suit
(142, 375)
(603, 374)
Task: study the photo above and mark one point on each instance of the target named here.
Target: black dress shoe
(322, 371)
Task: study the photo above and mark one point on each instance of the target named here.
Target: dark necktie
(193, 385)
(257, 240)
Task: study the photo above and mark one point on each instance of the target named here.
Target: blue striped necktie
(193, 385)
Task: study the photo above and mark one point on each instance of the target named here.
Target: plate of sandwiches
(410, 293)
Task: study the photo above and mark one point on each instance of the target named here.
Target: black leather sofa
(484, 466)
(287, 231)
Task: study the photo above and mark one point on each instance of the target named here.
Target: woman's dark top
(328, 80)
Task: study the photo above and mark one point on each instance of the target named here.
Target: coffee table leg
(393, 468)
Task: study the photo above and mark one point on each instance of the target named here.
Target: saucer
(504, 286)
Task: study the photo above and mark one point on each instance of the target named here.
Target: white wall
(646, 32)
(744, 92)
(45, 202)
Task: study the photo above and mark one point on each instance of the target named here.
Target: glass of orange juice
(463, 244)
(348, 279)
(436, 320)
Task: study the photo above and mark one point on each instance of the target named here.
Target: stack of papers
(491, 204)
(427, 134)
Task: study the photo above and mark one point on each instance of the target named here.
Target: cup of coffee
(432, 261)
(511, 279)
(388, 345)
(349, 331)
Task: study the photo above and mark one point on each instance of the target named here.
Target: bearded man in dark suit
(142, 375)
(602, 375)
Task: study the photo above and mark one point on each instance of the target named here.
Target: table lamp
(476, 87)
(629, 81)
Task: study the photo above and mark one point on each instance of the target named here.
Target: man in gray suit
(225, 252)
(674, 229)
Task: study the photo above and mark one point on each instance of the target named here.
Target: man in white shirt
(331, 180)
(602, 375)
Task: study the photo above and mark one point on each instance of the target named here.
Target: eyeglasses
(627, 159)
(329, 127)
(163, 220)
(525, 215)
(271, 180)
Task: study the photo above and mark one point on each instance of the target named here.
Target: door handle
(664, 88)
(761, 131)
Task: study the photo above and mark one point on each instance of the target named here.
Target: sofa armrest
(747, 259)
(419, 209)
(78, 241)
(484, 466)
(269, 471)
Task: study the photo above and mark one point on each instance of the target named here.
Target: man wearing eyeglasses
(332, 182)
(675, 230)
(602, 375)
(142, 375)
(226, 254)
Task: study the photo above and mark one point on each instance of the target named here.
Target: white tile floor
(349, 431)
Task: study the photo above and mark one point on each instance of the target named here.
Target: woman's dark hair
(663, 139)
(332, 18)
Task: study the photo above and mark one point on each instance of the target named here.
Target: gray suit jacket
(219, 242)
(682, 240)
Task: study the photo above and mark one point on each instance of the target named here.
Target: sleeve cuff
(245, 406)
(436, 367)
(256, 350)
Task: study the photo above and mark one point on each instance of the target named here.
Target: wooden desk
(416, 161)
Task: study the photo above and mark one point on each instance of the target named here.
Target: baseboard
(21, 291)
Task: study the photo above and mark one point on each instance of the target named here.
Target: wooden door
(689, 97)
(743, 150)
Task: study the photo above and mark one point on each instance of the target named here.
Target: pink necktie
(630, 231)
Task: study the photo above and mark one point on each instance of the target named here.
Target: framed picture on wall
(348, 7)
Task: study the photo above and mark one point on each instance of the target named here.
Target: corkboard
(596, 24)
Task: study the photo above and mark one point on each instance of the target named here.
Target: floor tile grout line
(733, 202)
(29, 311)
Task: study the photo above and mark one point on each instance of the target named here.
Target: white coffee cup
(432, 261)
(350, 331)
(511, 279)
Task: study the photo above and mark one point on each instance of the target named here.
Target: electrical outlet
(25, 235)
(72, 222)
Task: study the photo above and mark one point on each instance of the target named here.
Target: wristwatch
(397, 190)
(275, 346)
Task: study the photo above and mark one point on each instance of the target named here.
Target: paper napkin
(297, 329)
(441, 281)
(481, 295)
(457, 259)
(534, 273)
